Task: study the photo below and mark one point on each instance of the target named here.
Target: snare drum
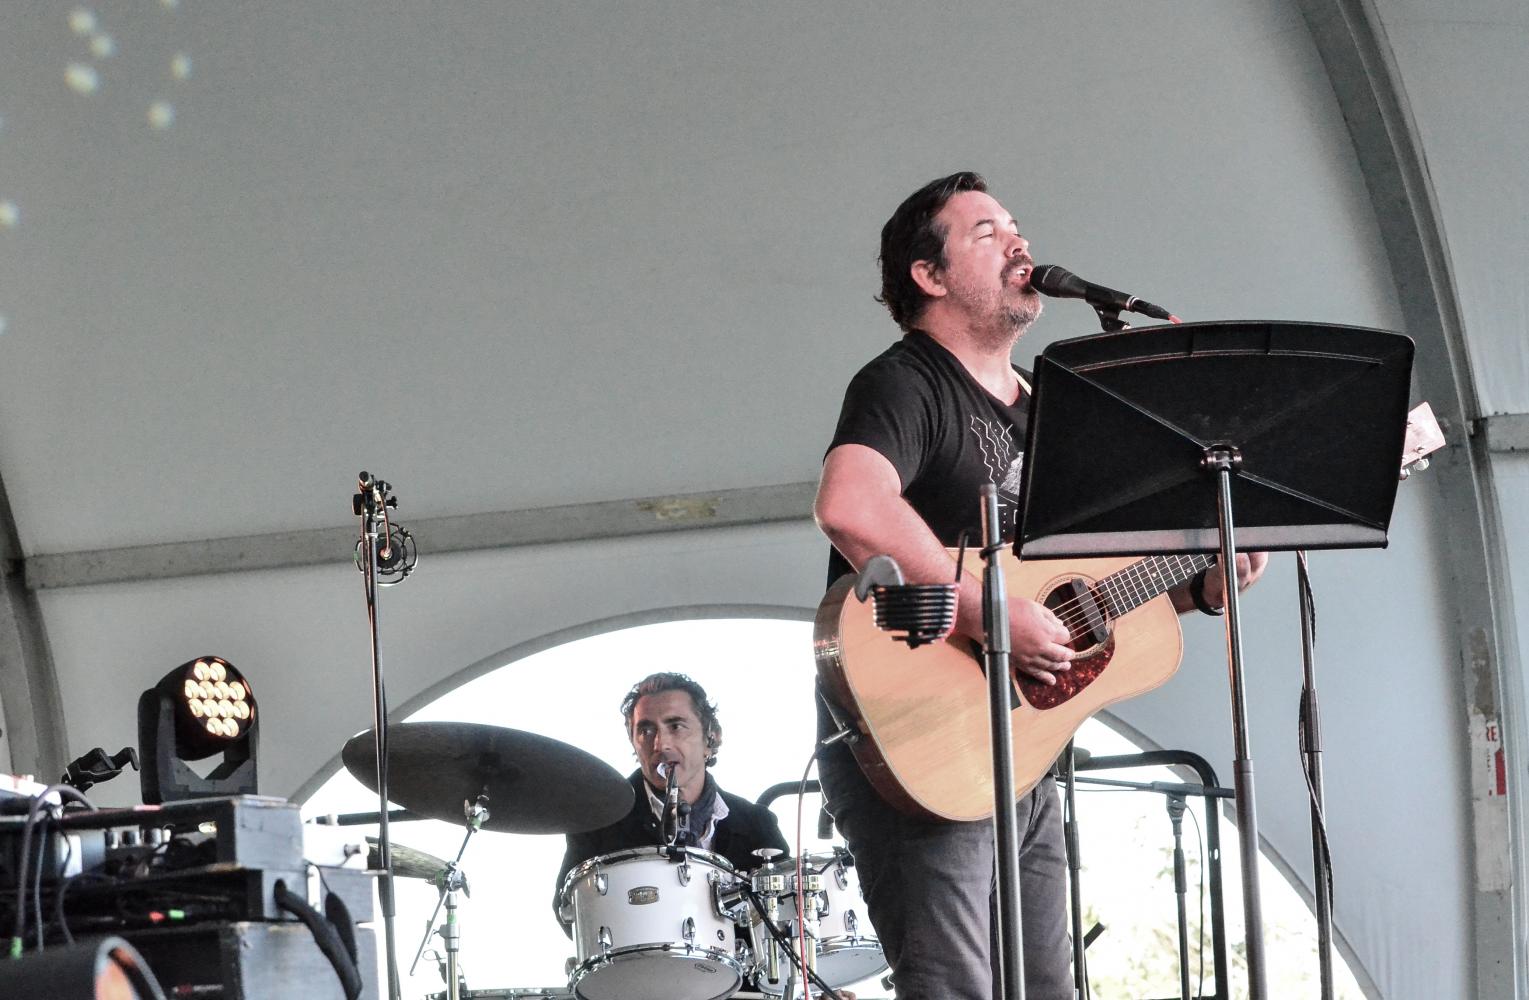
(847, 949)
(651, 926)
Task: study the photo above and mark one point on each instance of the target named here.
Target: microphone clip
(1109, 318)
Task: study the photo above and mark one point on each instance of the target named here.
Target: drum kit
(651, 921)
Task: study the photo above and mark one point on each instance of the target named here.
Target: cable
(42, 850)
(38, 802)
(325, 936)
(58, 897)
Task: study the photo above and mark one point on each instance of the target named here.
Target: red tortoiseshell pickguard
(1068, 682)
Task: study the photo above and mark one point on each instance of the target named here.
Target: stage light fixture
(201, 708)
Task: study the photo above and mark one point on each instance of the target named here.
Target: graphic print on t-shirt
(1004, 463)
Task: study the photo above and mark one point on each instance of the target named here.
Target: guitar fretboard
(1145, 579)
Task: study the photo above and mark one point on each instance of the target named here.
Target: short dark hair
(658, 683)
(912, 234)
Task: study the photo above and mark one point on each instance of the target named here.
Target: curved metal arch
(1366, 81)
(530, 647)
(30, 702)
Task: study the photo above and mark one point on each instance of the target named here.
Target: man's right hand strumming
(1037, 640)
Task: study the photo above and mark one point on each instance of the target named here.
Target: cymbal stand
(448, 882)
(371, 505)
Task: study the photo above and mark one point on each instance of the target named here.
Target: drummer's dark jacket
(746, 828)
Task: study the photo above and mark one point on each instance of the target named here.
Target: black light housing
(201, 708)
(105, 969)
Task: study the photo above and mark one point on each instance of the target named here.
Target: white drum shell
(648, 926)
(847, 950)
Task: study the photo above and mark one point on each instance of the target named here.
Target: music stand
(1145, 441)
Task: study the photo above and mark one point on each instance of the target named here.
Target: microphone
(671, 802)
(1058, 282)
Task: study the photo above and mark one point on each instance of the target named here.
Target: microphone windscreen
(1054, 280)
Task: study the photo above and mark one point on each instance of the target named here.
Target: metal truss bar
(30, 705)
(467, 533)
(1505, 431)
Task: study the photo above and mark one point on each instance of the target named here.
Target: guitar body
(922, 714)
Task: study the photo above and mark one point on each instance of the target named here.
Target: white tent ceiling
(518, 256)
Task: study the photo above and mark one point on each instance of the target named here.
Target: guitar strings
(1073, 614)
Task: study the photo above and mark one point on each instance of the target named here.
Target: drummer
(670, 721)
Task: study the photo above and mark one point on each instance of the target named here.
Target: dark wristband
(1197, 594)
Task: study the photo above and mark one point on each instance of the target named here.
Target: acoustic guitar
(921, 714)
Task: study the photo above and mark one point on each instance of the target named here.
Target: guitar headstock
(1424, 437)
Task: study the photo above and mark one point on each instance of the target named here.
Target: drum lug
(841, 876)
(687, 930)
(684, 873)
(605, 940)
(851, 923)
(601, 883)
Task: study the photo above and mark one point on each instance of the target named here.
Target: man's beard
(1002, 320)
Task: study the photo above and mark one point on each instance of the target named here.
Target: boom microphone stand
(391, 551)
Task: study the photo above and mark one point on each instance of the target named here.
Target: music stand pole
(995, 625)
(1311, 758)
(1221, 460)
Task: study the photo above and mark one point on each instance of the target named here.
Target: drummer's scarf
(693, 826)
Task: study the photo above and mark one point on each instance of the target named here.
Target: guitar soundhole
(1082, 611)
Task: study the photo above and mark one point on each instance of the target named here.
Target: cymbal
(408, 862)
(535, 784)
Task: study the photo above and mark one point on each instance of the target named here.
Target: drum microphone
(1058, 282)
(666, 771)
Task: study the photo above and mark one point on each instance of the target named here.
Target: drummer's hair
(668, 681)
(911, 235)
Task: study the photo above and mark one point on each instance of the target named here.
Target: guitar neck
(1145, 579)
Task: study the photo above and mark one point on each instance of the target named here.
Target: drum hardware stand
(449, 881)
(371, 504)
(995, 655)
(1311, 758)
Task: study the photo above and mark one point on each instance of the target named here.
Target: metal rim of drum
(686, 952)
(577, 873)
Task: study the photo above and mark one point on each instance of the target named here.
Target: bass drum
(531, 993)
(648, 924)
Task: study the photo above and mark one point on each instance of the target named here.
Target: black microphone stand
(1074, 871)
(995, 660)
(371, 505)
(1175, 801)
(1311, 759)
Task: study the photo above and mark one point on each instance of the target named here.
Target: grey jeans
(930, 891)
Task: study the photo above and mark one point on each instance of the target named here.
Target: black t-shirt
(947, 437)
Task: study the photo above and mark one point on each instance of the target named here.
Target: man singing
(924, 427)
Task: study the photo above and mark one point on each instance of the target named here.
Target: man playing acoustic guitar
(923, 427)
